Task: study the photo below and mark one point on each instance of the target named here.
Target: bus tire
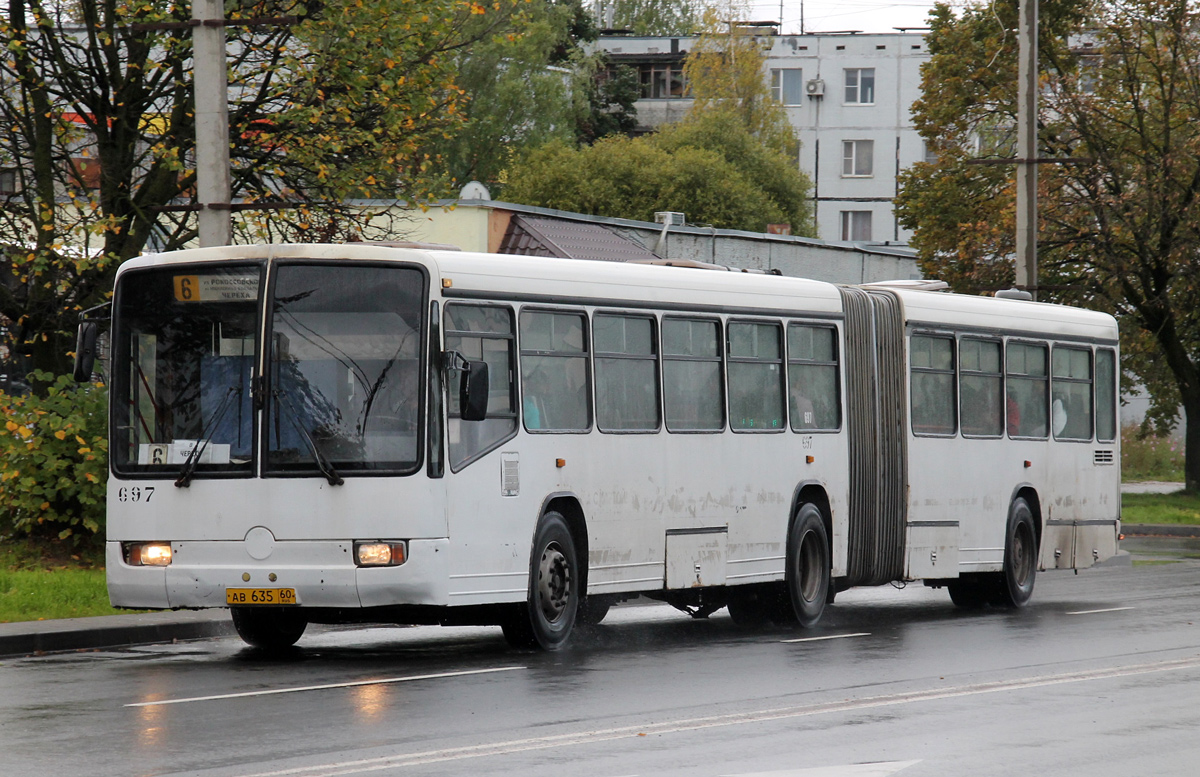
(268, 628)
(808, 565)
(546, 619)
(1020, 557)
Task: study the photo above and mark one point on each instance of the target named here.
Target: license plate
(260, 596)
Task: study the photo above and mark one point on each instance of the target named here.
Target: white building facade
(849, 96)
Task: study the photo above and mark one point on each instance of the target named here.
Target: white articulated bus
(373, 433)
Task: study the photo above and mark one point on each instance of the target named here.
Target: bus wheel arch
(557, 580)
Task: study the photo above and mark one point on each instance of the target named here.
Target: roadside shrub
(54, 461)
(1146, 456)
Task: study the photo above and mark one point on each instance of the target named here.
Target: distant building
(849, 97)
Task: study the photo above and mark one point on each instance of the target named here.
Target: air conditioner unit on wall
(815, 88)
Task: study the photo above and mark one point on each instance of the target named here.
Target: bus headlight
(380, 554)
(148, 554)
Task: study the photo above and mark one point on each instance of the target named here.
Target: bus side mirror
(473, 391)
(85, 351)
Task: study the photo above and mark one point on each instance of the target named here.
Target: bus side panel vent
(1103, 458)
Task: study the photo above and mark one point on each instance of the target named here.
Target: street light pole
(1027, 78)
(212, 122)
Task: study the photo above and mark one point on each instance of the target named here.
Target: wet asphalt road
(1100, 675)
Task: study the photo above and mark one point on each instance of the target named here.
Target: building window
(858, 158)
(8, 180)
(860, 86)
(661, 81)
(856, 225)
(787, 85)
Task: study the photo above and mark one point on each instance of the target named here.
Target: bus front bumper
(321, 573)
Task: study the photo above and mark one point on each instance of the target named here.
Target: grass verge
(1180, 508)
(44, 581)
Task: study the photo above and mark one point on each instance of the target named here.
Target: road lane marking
(831, 636)
(363, 766)
(273, 691)
(875, 769)
(1093, 612)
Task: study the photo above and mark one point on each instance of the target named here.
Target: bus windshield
(183, 360)
(341, 372)
(344, 367)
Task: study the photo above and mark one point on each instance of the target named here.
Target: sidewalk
(111, 631)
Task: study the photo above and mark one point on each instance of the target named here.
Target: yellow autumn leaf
(60, 434)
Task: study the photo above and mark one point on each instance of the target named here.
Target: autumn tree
(1120, 224)
(726, 71)
(328, 99)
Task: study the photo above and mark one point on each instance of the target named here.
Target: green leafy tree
(97, 126)
(656, 17)
(1119, 230)
(526, 85)
(710, 168)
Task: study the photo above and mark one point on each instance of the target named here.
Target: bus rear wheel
(1020, 558)
(268, 628)
(546, 619)
(808, 565)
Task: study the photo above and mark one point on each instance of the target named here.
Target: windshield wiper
(193, 458)
(323, 463)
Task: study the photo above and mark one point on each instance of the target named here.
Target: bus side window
(554, 371)
(933, 407)
(1027, 405)
(1106, 395)
(481, 332)
(1071, 387)
(626, 373)
(755, 377)
(980, 388)
(813, 378)
(692, 386)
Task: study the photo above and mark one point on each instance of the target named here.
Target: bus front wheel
(548, 616)
(268, 628)
(808, 565)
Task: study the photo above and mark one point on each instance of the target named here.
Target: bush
(1147, 456)
(54, 454)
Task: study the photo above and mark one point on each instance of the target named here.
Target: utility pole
(1027, 161)
(212, 122)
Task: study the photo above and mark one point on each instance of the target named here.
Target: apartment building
(847, 94)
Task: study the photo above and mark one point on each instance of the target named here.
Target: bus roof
(937, 309)
(613, 284)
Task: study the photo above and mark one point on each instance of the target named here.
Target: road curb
(111, 631)
(1160, 530)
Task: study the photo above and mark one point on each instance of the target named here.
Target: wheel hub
(554, 583)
